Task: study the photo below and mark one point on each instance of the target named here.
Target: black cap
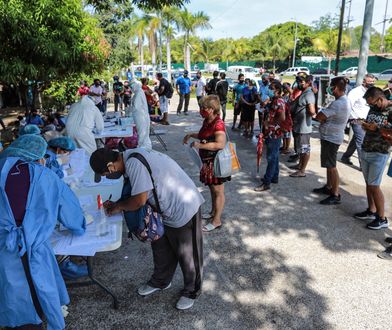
(100, 158)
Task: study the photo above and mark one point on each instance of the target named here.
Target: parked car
(385, 75)
(320, 71)
(293, 71)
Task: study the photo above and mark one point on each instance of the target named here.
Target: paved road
(281, 260)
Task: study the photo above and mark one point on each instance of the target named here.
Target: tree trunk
(188, 58)
(142, 59)
(185, 48)
(273, 63)
(168, 59)
(154, 56)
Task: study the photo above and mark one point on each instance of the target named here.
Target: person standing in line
(274, 117)
(222, 87)
(212, 137)
(211, 86)
(182, 242)
(249, 98)
(303, 113)
(183, 87)
(237, 92)
(333, 120)
(104, 97)
(127, 94)
(96, 92)
(375, 155)
(165, 92)
(264, 96)
(359, 111)
(200, 87)
(388, 90)
(287, 124)
(118, 90)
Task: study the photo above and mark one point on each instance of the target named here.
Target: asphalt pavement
(280, 261)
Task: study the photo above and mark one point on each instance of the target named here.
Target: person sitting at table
(138, 109)
(83, 118)
(32, 200)
(180, 202)
(57, 148)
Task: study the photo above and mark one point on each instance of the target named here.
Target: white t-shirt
(178, 196)
(201, 84)
(359, 107)
(337, 114)
(97, 90)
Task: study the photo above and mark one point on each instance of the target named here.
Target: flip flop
(210, 227)
(297, 175)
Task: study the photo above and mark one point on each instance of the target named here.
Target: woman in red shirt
(212, 138)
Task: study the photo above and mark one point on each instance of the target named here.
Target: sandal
(207, 216)
(297, 174)
(210, 227)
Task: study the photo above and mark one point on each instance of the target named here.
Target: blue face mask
(271, 93)
(329, 90)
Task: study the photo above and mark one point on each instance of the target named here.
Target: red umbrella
(260, 143)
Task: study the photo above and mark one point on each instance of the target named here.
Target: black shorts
(329, 153)
(302, 143)
(248, 112)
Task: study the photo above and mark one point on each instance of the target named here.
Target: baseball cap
(186, 72)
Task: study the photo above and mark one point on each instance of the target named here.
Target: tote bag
(226, 162)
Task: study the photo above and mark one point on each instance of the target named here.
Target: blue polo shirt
(184, 84)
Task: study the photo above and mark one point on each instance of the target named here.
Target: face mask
(204, 113)
(96, 84)
(265, 82)
(330, 90)
(271, 93)
(368, 85)
(300, 87)
(114, 175)
(242, 81)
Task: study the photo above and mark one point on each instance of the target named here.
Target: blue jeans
(356, 142)
(272, 171)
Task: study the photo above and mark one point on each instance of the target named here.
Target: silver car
(385, 75)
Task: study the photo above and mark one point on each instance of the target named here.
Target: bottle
(101, 225)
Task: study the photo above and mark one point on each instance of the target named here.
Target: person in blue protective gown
(32, 200)
(30, 129)
(57, 148)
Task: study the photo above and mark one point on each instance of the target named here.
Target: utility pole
(341, 22)
(365, 41)
(382, 46)
(295, 42)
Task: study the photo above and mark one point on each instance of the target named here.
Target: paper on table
(194, 155)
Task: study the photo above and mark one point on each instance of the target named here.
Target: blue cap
(62, 142)
(28, 147)
(30, 129)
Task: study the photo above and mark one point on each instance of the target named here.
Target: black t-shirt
(118, 87)
(211, 86)
(166, 86)
(221, 88)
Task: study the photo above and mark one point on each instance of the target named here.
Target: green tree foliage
(43, 40)
(143, 4)
(388, 40)
(326, 22)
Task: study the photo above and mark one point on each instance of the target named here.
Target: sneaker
(185, 303)
(388, 240)
(378, 224)
(323, 190)
(72, 271)
(275, 181)
(146, 290)
(387, 254)
(262, 187)
(178, 113)
(186, 113)
(331, 200)
(346, 161)
(365, 215)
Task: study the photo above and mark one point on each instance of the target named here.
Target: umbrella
(260, 143)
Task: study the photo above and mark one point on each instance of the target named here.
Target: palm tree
(140, 29)
(189, 23)
(153, 24)
(169, 17)
(326, 44)
(277, 47)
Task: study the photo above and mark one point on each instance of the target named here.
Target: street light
(295, 42)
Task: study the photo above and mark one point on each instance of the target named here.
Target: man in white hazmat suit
(83, 117)
(138, 109)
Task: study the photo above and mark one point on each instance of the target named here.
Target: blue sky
(237, 18)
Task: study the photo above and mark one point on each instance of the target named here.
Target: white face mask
(62, 159)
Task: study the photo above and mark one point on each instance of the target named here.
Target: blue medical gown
(49, 199)
(52, 163)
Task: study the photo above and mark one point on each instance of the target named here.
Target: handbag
(226, 161)
(145, 223)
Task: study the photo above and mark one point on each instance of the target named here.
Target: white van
(233, 72)
(293, 71)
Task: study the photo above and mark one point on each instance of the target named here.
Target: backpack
(144, 223)
(168, 90)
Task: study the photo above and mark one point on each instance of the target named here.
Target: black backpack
(168, 90)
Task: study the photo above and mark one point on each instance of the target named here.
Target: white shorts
(163, 104)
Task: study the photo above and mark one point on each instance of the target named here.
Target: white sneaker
(146, 289)
(185, 303)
